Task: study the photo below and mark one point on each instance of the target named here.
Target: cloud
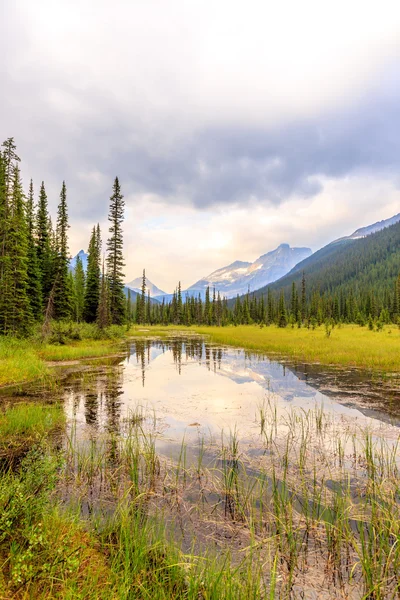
(217, 117)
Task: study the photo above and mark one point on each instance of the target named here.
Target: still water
(195, 389)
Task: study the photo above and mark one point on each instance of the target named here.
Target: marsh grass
(348, 345)
(25, 360)
(19, 362)
(316, 513)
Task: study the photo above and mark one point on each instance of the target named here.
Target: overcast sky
(233, 125)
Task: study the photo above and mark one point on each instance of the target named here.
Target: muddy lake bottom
(289, 470)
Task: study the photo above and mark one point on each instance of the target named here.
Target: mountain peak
(136, 286)
(239, 276)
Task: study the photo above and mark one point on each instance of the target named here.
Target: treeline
(302, 309)
(36, 283)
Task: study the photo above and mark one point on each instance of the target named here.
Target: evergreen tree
(282, 317)
(115, 261)
(34, 289)
(43, 246)
(103, 313)
(303, 307)
(15, 311)
(142, 301)
(79, 289)
(62, 289)
(92, 290)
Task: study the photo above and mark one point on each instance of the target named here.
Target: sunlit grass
(77, 350)
(20, 362)
(348, 345)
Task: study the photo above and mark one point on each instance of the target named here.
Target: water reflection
(195, 388)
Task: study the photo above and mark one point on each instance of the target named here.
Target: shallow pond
(195, 389)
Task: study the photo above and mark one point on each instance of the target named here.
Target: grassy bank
(25, 360)
(348, 345)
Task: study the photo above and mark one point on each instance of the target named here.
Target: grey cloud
(201, 165)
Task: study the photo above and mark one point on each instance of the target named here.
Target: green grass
(20, 362)
(24, 360)
(77, 350)
(348, 345)
(30, 419)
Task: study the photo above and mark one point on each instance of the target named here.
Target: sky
(233, 125)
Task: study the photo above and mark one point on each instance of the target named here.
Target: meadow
(346, 345)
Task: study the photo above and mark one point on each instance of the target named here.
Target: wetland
(227, 473)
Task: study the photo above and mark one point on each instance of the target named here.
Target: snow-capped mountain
(239, 277)
(84, 258)
(136, 286)
(364, 231)
(369, 229)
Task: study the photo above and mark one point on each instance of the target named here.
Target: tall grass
(348, 345)
(19, 362)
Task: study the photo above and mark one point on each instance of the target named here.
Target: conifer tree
(79, 289)
(282, 317)
(115, 260)
(62, 283)
(34, 289)
(303, 307)
(142, 300)
(103, 313)
(92, 290)
(15, 311)
(43, 246)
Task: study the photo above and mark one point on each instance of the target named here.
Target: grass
(24, 360)
(77, 350)
(317, 511)
(24, 424)
(20, 362)
(348, 345)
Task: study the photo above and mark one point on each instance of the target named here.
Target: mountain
(136, 286)
(364, 231)
(84, 258)
(360, 262)
(240, 276)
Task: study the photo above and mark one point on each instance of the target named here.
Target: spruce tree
(115, 260)
(79, 289)
(34, 289)
(282, 317)
(142, 300)
(15, 311)
(62, 285)
(103, 313)
(43, 245)
(92, 290)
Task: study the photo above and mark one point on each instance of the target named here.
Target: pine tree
(79, 289)
(103, 313)
(15, 311)
(34, 289)
(115, 261)
(92, 290)
(43, 246)
(62, 289)
(303, 307)
(142, 300)
(282, 317)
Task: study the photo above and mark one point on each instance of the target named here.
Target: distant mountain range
(367, 259)
(273, 269)
(239, 277)
(364, 231)
(136, 286)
